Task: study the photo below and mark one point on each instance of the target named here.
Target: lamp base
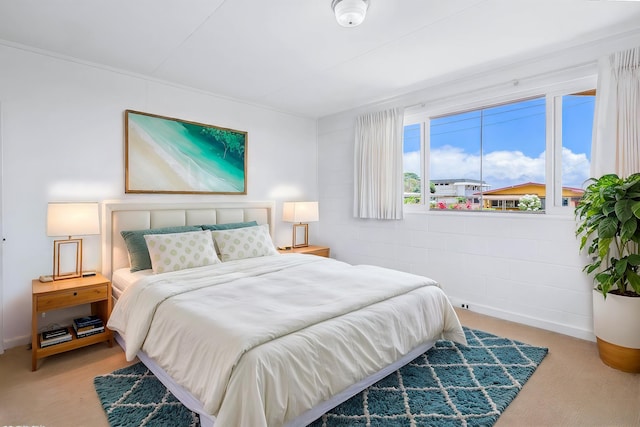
(305, 232)
(66, 276)
(67, 247)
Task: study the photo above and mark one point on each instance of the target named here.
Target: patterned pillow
(137, 247)
(177, 251)
(241, 243)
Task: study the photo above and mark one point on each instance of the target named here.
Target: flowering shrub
(463, 204)
(530, 202)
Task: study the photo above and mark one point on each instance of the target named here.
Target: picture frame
(175, 156)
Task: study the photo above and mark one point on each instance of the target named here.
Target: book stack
(55, 336)
(86, 326)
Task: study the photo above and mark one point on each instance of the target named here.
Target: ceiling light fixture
(350, 13)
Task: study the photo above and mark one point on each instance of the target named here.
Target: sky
(511, 144)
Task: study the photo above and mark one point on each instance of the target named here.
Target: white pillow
(247, 242)
(177, 251)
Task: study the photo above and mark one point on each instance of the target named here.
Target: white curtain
(616, 131)
(378, 165)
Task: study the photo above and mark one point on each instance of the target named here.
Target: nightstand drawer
(311, 250)
(320, 252)
(71, 298)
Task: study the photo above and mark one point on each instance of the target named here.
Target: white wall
(1, 236)
(63, 140)
(524, 268)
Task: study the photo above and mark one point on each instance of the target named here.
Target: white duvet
(260, 341)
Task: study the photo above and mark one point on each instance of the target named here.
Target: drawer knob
(75, 294)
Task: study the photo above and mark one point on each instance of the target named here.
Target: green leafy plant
(608, 217)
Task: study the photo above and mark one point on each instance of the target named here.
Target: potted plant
(608, 218)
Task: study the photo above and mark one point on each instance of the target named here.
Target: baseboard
(525, 320)
(478, 308)
(16, 342)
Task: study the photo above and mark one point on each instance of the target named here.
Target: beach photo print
(168, 155)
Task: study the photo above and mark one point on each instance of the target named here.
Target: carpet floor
(449, 385)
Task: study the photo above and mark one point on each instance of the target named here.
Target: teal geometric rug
(133, 396)
(449, 385)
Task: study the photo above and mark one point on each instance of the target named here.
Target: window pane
(455, 156)
(490, 158)
(513, 159)
(412, 164)
(577, 127)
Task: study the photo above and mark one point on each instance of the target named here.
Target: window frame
(550, 88)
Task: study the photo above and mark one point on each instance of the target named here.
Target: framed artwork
(168, 155)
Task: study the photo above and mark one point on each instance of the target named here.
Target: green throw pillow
(137, 247)
(229, 226)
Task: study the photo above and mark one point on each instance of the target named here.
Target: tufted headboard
(118, 216)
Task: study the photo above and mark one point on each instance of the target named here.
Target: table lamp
(70, 219)
(300, 213)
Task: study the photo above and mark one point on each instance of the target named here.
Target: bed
(269, 339)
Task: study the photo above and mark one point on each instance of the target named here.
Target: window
(577, 120)
(412, 144)
(495, 158)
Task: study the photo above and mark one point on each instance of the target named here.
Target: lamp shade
(350, 13)
(72, 219)
(300, 211)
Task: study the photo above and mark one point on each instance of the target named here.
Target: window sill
(565, 213)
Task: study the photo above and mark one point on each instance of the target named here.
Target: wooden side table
(311, 249)
(47, 296)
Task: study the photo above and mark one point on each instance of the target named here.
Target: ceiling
(292, 56)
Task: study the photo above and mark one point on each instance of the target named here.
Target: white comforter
(260, 341)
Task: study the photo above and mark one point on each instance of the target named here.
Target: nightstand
(47, 296)
(311, 249)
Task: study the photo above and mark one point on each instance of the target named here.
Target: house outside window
(489, 158)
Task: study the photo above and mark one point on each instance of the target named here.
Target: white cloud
(453, 162)
(411, 162)
(575, 168)
(501, 168)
